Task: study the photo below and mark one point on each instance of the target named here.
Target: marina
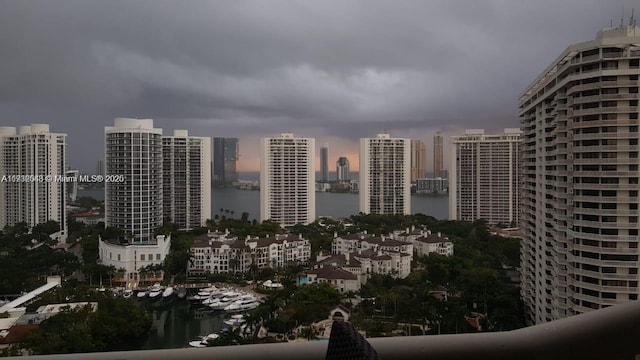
(191, 315)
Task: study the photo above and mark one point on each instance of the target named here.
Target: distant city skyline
(250, 159)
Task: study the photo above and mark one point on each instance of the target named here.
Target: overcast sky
(334, 70)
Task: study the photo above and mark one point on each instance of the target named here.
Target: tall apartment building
(324, 163)
(100, 167)
(287, 180)
(186, 163)
(484, 178)
(580, 178)
(342, 169)
(385, 186)
(133, 149)
(225, 160)
(418, 160)
(33, 151)
(438, 156)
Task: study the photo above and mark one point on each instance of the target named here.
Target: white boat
(220, 304)
(155, 291)
(208, 301)
(242, 305)
(231, 296)
(167, 292)
(127, 293)
(235, 320)
(206, 292)
(203, 341)
(141, 294)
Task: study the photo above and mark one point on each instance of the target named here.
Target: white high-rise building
(385, 174)
(287, 180)
(186, 163)
(34, 162)
(484, 177)
(133, 159)
(579, 221)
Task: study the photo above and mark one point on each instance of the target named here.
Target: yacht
(127, 293)
(220, 304)
(155, 291)
(203, 341)
(206, 292)
(141, 294)
(249, 303)
(235, 320)
(167, 292)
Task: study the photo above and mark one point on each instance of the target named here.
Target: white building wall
(133, 149)
(287, 180)
(580, 179)
(33, 151)
(132, 257)
(187, 179)
(385, 174)
(484, 177)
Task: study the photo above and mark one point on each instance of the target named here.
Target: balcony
(578, 337)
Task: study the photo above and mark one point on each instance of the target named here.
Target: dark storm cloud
(337, 68)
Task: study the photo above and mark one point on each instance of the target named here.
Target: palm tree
(143, 273)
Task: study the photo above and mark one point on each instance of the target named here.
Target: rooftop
(333, 273)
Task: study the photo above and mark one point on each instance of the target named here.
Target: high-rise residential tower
(36, 158)
(133, 154)
(385, 171)
(324, 163)
(186, 163)
(287, 180)
(225, 161)
(100, 167)
(580, 247)
(484, 179)
(342, 169)
(418, 160)
(438, 161)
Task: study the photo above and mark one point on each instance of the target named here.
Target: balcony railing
(610, 333)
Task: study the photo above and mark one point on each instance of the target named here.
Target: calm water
(327, 204)
(175, 324)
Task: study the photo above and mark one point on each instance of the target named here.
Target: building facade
(324, 163)
(580, 182)
(133, 155)
(186, 163)
(418, 160)
(287, 180)
(375, 254)
(385, 176)
(133, 257)
(437, 186)
(217, 253)
(484, 181)
(342, 169)
(438, 155)
(226, 153)
(34, 161)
